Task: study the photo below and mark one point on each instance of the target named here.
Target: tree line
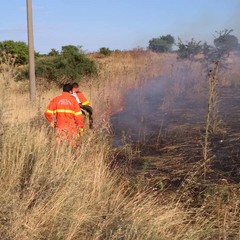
(71, 62)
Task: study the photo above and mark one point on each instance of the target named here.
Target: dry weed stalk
(7, 65)
(7, 62)
(211, 114)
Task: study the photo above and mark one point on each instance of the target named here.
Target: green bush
(190, 49)
(223, 45)
(162, 44)
(20, 49)
(70, 65)
(105, 51)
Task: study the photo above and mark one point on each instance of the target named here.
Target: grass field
(98, 191)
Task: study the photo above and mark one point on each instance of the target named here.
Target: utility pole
(32, 81)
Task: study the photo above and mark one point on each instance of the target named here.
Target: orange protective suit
(81, 97)
(68, 115)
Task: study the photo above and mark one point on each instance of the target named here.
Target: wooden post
(32, 81)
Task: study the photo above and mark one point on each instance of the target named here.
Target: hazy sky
(116, 24)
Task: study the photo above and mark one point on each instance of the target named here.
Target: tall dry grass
(52, 191)
(122, 71)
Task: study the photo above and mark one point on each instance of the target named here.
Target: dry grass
(51, 191)
(120, 72)
(55, 192)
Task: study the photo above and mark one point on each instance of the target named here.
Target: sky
(116, 24)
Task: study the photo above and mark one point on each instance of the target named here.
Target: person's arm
(78, 117)
(85, 105)
(83, 99)
(50, 113)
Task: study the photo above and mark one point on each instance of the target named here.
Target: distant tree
(226, 42)
(206, 49)
(70, 50)
(105, 51)
(223, 44)
(20, 49)
(189, 49)
(161, 44)
(53, 52)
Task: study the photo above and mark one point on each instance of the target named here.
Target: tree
(20, 49)
(225, 42)
(53, 52)
(190, 49)
(70, 65)
(105, 51)
(69, 50)
(162, 44)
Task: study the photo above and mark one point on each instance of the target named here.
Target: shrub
(70, 65)
(189, 50)
(226, 42)
(20, 49)
(162, 44)
(105, 51)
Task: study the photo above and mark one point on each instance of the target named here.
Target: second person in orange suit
(83, 102)
(69, 119)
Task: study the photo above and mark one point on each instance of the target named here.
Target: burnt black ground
(168, 144)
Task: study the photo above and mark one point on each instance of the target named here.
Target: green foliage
(20, 49)
(70, 65)
(225, 42)
(162, 44)
(189, 49)
(70, 50)
(105, 51)
(53, 52)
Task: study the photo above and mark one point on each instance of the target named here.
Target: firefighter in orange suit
(69, 120)
(83, 103)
